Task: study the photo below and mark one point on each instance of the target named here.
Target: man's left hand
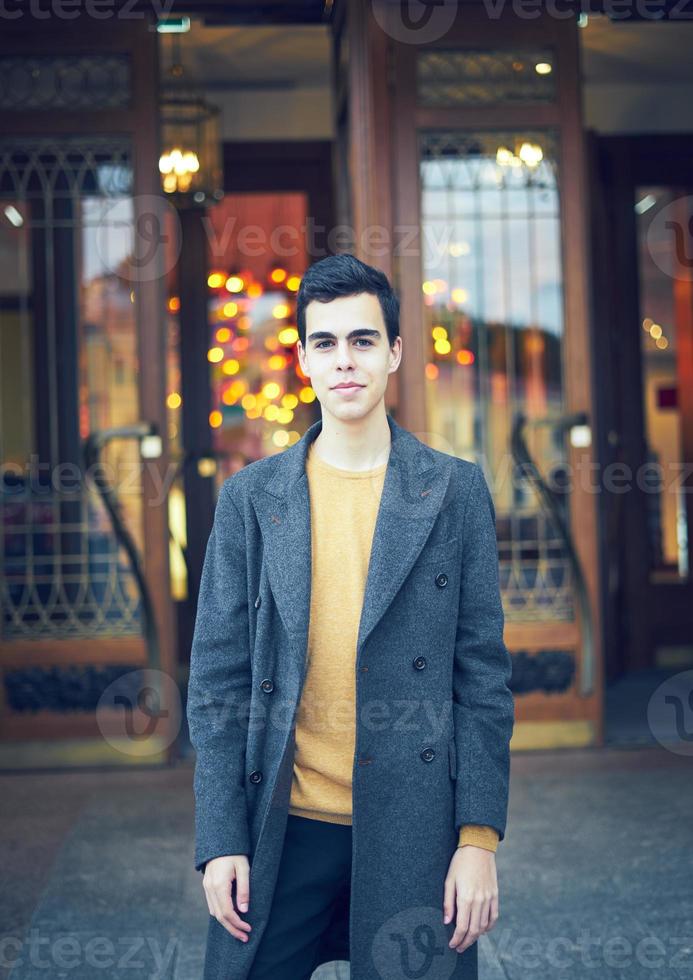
(471, 894)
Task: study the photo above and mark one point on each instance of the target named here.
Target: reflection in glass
(108, 360)
(68, 367)
(261, 401)
(656, 210)
(493, 301)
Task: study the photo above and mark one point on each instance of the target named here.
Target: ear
(395, 355)
(301, 356)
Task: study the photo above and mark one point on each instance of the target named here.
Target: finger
(219, 896)
(472, 933)
(211, 899)
(228, 916)
(462, 922)
(448, 900)
(495, 910)
(243, 888)
(485, 915)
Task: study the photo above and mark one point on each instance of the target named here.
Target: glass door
(666, 307)
(492, 284)
(83, 534)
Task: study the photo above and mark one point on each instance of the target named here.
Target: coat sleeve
(219, 684)
(483, 707)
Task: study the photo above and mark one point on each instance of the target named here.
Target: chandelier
(190, 162)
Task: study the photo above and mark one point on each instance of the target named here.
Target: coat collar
(416, 480)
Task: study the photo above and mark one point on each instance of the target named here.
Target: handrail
(549, 501)
(92, 448)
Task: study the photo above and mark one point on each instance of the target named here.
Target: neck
(354, 444)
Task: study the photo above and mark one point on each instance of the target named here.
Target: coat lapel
(416, 480)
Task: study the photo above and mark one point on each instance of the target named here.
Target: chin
(348, 411)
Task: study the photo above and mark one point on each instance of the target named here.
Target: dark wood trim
(577, 354)
(150, 300)
(287, 12)
(370, 159)
(607, 397)
(200, 491)
(519, 116)
(31, 653)
(642, 613)
(407, 222)
(58, 725)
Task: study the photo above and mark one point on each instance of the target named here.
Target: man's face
(346, 344)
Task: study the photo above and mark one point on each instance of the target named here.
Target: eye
(359, 340)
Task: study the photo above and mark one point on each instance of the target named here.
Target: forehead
(345, 312)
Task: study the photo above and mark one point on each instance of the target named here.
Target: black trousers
(314, 872)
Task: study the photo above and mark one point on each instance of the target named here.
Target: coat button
(258, 602)
(267, 685)
(427, 755)
(441, 580)
(420, 663)
(255, 776)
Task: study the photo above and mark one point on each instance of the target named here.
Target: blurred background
(167, 174)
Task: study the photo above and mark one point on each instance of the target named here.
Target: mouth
(347, 387)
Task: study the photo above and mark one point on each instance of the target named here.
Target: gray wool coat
(434, 712)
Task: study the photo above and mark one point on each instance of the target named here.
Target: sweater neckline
(314, 460)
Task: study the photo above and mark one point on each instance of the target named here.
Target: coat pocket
(438, 554)
(452, 756)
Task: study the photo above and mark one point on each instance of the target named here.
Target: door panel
(493, 289)
(86, 595)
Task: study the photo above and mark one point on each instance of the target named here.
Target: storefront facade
(459, 161)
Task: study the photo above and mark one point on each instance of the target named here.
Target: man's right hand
(219, 875)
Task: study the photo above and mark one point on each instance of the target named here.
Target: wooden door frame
(362, 60)
(473, 29)
(140, 121)
(637, 611)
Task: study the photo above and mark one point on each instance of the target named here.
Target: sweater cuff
(479, 835)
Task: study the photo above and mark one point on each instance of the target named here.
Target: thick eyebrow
(358, 332)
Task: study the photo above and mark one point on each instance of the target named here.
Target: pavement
(595, 872)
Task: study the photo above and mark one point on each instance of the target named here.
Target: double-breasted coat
(434, 712)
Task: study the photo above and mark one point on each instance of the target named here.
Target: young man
(348, 697)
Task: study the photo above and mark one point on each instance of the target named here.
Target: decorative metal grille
(535, 575)
(493, 301)
(459, 77)
(65, 82)
(456, 160)
(63, 574)
(43, 169)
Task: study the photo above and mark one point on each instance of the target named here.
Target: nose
(345, 355)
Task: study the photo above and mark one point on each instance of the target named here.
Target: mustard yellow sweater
(344, 507)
